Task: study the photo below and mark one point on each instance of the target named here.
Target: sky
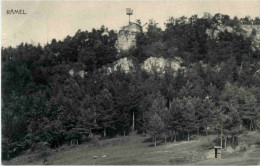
(45, 20)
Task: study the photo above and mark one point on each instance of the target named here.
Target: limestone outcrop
(150, 65)
(124, 64)
(127, 37)
(80, 73)
(160, 65)
(248, 30)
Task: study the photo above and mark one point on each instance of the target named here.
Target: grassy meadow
(138, 150)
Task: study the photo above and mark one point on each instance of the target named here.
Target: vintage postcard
(130, 83)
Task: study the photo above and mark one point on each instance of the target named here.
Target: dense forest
(217, 90)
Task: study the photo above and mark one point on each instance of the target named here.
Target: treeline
(218, 88)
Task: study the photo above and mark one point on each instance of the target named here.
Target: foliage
(43, 102)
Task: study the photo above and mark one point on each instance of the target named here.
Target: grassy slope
(136, 152)
(249, 157)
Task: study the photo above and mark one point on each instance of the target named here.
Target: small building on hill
(215, 152)
(127, 36)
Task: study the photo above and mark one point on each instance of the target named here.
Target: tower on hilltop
(127, 35)
(129, 12)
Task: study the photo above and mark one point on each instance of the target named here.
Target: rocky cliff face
(150, 65)
(80, 73)
(124, 64)
(253, 31)
(160, 65)
(247, 30)
(127, 37)
(127, 40)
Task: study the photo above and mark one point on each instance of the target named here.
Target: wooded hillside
(218, 87)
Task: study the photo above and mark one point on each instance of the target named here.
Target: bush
(95, 139)
(193, 137)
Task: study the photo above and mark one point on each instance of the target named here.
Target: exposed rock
(254, 32)
(154, 64)
(80, 73)
(127, 37)
(150, 65)
(248, 30)
(71, 72)
(123, 64)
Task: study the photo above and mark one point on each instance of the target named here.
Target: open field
(134, 150)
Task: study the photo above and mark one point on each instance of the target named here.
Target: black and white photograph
(130, 82)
